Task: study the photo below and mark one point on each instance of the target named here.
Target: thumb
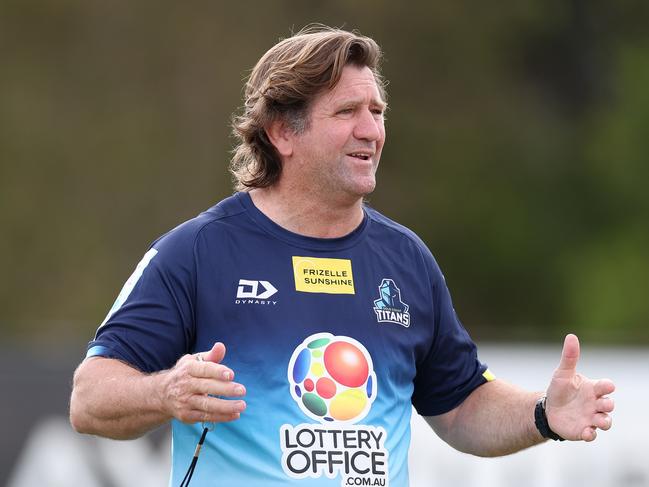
(216, 354)
(570, 353)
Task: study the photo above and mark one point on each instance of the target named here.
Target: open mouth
(360, 155)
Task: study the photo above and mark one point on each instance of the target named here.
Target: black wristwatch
(541, 421)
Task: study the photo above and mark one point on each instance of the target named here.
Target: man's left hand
(577, 406)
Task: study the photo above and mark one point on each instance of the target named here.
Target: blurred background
(517, 149)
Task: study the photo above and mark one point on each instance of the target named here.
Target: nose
(369, 126)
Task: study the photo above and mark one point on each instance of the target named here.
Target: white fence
(55, 456)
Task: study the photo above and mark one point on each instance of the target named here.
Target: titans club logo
(389, 308)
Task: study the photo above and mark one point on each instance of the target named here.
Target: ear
(281, 136)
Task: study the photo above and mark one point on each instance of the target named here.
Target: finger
(216, 354)
(589, 434)
(215, 405)
(605, 405)
(210, 370)
(570, 353)
(196, 416)
(602, 421)
(220, 418)
(603, 387)
(219, 388)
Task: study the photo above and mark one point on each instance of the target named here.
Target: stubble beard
(350, 183)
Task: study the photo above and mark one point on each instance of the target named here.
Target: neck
(307, 214)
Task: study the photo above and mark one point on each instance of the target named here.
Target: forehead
(356, 84)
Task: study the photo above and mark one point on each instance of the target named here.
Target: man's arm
(112, 399)
(497, 418)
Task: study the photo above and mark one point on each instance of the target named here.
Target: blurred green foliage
(516, 149)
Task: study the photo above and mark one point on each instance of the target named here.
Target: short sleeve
(151, 324)
(450, 371)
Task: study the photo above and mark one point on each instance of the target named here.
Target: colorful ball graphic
(332, 378)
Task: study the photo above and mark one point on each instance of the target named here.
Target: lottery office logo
(332, 381)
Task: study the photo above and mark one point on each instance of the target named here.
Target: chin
(365, 188)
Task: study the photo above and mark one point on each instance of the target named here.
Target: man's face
(339, 153)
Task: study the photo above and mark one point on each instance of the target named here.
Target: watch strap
(541, 421)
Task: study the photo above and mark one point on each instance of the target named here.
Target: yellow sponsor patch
(316, 275)
(487, 374)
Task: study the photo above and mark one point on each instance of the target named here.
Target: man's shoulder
(390, 230)
(396, 229)
(187, 232)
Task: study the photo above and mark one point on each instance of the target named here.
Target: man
(336, 319)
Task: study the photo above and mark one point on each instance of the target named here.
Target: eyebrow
(359, 101)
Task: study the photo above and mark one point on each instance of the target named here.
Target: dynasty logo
(332, 380)
(389, 308)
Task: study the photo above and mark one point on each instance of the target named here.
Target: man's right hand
(112, 399)
(192, 390)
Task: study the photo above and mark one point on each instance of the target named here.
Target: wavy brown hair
(281, 87)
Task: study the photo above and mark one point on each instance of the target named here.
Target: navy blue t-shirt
(333, 339)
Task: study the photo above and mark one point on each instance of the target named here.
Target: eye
(345, 111)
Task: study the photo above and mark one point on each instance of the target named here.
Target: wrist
(158, 383)
(541, 421)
